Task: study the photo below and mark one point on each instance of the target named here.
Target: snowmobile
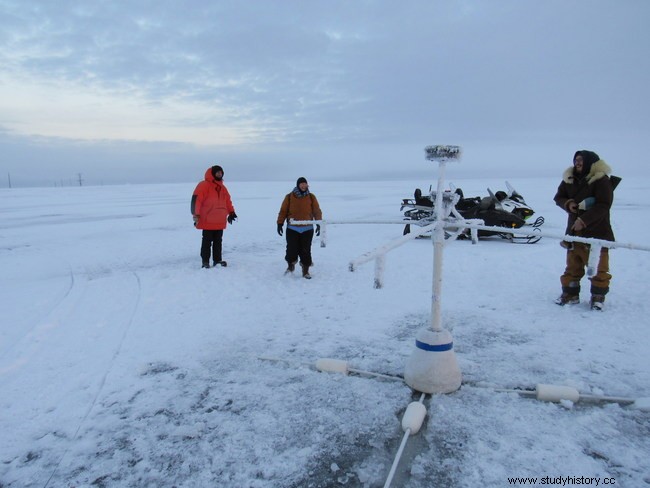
(500, 209)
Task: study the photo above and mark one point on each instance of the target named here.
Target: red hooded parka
(211, 202)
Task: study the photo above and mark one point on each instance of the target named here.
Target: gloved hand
(317, 229)
(572, 207)
(195, 218)
(280, 231)
(232, 216)
(578, 225)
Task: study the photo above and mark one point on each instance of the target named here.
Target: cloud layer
(289, 83)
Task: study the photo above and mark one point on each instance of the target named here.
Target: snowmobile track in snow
(85, 315)
(116, 353)
(42, 318)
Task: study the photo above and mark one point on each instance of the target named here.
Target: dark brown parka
(594, 195)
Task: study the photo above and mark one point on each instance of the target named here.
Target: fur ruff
(599, 169)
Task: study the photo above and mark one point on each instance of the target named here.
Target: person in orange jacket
(300, 204)
(211, 208)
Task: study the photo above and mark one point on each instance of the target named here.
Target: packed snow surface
(123, 363)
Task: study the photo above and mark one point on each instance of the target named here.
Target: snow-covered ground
(123, 363)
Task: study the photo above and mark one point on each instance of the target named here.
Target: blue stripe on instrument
(434, 348)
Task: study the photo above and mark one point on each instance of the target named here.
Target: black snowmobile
(500, 209)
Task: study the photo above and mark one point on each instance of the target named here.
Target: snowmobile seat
(486, 203)
(466, 204)
(420, 200)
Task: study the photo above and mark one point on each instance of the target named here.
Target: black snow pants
(299, 246)
(211, 241)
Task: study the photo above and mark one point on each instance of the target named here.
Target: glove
(317, 229)
(232, 216)
(578, 225)
(572, 207)
(280, 231)
(195, 218)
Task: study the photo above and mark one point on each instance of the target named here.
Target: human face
(303, 186)
(578, 164)
(218, 175)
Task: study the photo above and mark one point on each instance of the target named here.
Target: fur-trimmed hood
(599, 169)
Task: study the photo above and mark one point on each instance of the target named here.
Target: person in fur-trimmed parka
(586, 194)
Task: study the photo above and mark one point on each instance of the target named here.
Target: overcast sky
(138, 91)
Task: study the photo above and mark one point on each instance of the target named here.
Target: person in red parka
(211, 208)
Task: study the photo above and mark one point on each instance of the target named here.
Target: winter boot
(568, 299)
(597, 302)
(290, 268)
(305, 272)
(220, 263)
(206, 264)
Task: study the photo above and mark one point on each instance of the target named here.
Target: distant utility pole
(9, 179)
(80, 179)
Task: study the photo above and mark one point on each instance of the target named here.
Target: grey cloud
(348, 74)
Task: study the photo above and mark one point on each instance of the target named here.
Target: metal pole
(438, 243)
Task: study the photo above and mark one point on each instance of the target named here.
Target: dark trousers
(211, 241)
(299, 246)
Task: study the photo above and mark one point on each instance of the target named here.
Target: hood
(209, 178)
(599, 169)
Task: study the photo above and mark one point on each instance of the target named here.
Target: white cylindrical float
(642, 404)
(332, 365)
(432, 367)
(413, 417)
(556, 393)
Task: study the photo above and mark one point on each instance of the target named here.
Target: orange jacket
(299, 208)
(211, 202)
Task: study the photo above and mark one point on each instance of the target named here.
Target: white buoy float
(414, 417)
(555, 393)
(642, 404)
(330, 365)
(558, 393)
(411, 424)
